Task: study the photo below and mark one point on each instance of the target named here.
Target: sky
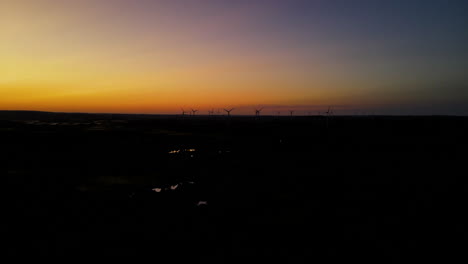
(156, 57)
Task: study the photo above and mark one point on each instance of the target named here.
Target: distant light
(200, 203)
(157, 190)
(183, 150)
(174, 187)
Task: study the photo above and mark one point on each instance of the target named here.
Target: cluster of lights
(183, 150)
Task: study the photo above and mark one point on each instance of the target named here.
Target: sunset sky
(142, 56)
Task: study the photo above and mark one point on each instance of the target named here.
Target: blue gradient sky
(389, 57)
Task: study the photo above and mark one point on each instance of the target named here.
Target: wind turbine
(328, 113)
(183, 112)
(258, 111)
(194, 112)
(291, 112)
(228, 111)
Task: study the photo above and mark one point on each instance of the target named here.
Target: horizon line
(238, 115)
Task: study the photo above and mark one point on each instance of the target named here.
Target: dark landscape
(214, 187)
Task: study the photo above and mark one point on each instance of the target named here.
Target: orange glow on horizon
(114, 66)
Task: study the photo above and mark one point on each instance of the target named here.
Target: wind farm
(211, 131)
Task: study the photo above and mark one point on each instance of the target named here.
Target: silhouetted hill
(381, 187)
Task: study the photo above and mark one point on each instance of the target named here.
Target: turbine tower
(194, 112)
(228, 111)
(183, 112)
(328, 113)
(258, 111)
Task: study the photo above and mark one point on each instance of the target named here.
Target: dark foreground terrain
(385, 188)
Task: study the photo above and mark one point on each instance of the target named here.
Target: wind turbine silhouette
(258, 111)
(228, 111)
(194, 112)
(328, 113)
(291, 112)
(183, 112)
(211, 112)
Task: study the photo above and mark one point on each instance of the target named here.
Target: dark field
(377, 187)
